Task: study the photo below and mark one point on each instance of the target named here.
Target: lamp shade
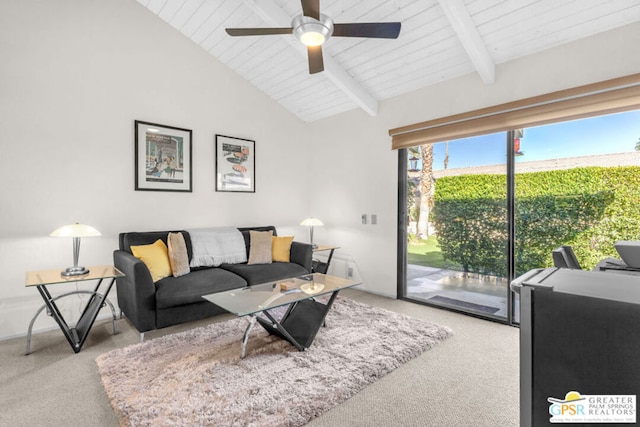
(75, 230)
(311, 222)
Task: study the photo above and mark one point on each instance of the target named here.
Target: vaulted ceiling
(439, 40)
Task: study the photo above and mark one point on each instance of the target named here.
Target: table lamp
(76, 231)
(311, 222)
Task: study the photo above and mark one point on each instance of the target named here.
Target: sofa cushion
(155, 257)
(247, 236)
(260, 252)
(281, 248)
(187, 289)
(178, 256)
(262, 273)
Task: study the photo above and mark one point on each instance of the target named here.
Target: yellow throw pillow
(178, 255)
(281, 248)
(155, 257)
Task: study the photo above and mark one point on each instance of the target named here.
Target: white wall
(356, 169)
(74, 75)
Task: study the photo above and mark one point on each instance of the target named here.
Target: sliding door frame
(510, 223)
(402, 225)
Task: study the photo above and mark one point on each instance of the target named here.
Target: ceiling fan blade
(316, 64)
(380, 30)
(257, 31)
(311, 8)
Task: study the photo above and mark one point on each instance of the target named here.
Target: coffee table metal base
(299, 325)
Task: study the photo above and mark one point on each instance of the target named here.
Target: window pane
(457, 247)
(577, 185)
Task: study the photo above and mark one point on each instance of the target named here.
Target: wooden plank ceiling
(439, 40)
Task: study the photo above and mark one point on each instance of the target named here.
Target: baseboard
(17, 314)
(380, 294)
(53, 327)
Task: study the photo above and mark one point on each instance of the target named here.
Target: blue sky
(614, 133)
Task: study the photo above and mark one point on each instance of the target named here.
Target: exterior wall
(605, 160)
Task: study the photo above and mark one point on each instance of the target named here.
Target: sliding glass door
(457, 225)
(577, 184)
(477, 212)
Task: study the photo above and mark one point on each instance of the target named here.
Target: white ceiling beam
(274, 15)
(467, 33)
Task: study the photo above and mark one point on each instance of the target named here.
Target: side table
(78, 334)
(319, 266)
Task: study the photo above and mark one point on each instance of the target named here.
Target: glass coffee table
(304, 315)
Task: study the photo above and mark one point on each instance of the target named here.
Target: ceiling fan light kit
(312, 32)
(313, 28)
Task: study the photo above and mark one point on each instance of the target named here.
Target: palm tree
(413, 190)
(426, 186)
(446, 154)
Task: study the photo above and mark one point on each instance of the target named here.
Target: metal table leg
(92, 293)
(245, 338)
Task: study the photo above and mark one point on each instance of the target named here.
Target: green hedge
(587, 208)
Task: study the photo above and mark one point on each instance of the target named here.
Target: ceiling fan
(313, 29)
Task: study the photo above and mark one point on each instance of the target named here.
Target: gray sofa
(175, 300)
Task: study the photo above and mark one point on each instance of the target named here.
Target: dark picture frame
(235, 164)
(162, 157)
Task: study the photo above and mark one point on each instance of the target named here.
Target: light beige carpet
(196, 377)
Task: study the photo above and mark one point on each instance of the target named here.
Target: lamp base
(74, 271)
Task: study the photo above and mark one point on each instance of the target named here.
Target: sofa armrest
(136, 291)
(301, 253)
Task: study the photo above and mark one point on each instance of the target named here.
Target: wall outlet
(374, 219)
(364, 218)
(349, 272)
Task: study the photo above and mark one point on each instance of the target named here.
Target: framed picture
(162, 157)
(235, 164)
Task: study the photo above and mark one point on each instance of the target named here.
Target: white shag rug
(197, 378)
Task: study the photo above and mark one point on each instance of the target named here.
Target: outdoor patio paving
(483, 295)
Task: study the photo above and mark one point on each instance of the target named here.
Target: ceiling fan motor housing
(310, 31)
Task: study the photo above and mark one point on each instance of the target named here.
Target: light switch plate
(374, 219)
